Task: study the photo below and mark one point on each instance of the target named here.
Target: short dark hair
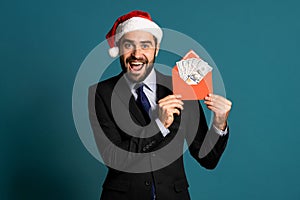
(155, 41)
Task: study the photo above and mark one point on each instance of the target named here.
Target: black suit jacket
(114, 114)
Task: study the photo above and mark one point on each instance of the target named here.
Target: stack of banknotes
(193, 70)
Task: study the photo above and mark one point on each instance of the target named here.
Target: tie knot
(142, 99)
(139, 87)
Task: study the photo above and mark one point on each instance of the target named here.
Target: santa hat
(135, 20)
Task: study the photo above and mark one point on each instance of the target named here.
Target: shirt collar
(150, 81)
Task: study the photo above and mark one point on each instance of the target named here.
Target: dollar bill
(193, 70)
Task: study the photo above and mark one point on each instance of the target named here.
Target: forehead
(138, 36)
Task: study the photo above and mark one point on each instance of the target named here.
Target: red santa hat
(135, 20)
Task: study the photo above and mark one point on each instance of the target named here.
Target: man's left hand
(221, 108)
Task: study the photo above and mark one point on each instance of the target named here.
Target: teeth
(136, 63)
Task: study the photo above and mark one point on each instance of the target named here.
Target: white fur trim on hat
(138, 23)
(113, 52)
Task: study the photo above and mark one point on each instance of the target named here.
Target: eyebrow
(143, 42)
(146, 42)
(127, 40)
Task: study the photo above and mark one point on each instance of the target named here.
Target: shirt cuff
(164, 131)
(219, 131)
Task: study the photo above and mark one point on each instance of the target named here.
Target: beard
(148, 65)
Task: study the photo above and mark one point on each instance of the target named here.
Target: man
(140, 125)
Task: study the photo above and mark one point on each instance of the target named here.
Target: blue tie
(143, 101)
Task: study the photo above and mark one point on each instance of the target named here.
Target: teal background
(254, 44)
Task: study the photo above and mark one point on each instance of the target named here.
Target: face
(138, 50)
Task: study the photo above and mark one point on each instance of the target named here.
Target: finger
(177, 96)
(218, 112)
(169, 97)
(217, 101)
(176, 111)
(171, 106)
(222, 99)
(212, 104)
(170, 118)
(209, 97)
(214, 109)
(170, 101)
(218, 105)
(215, 97)
(173, 111)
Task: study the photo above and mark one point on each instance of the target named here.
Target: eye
(127, 45)
(145, 46)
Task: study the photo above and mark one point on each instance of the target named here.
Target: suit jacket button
(147, 183)
(144, 149)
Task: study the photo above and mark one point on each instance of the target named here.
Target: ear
(157, 50)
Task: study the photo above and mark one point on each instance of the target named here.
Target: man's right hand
(168, 106)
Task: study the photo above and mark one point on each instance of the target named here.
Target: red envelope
(191, 92)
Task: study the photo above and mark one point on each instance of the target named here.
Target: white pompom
(113, 52)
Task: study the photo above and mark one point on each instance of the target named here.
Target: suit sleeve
(207, 146)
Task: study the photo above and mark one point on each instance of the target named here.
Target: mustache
(133, 58)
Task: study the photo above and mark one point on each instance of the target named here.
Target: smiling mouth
(136, 66)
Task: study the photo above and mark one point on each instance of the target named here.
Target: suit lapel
(122, 90)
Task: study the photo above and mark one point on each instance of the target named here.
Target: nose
(137, 53)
